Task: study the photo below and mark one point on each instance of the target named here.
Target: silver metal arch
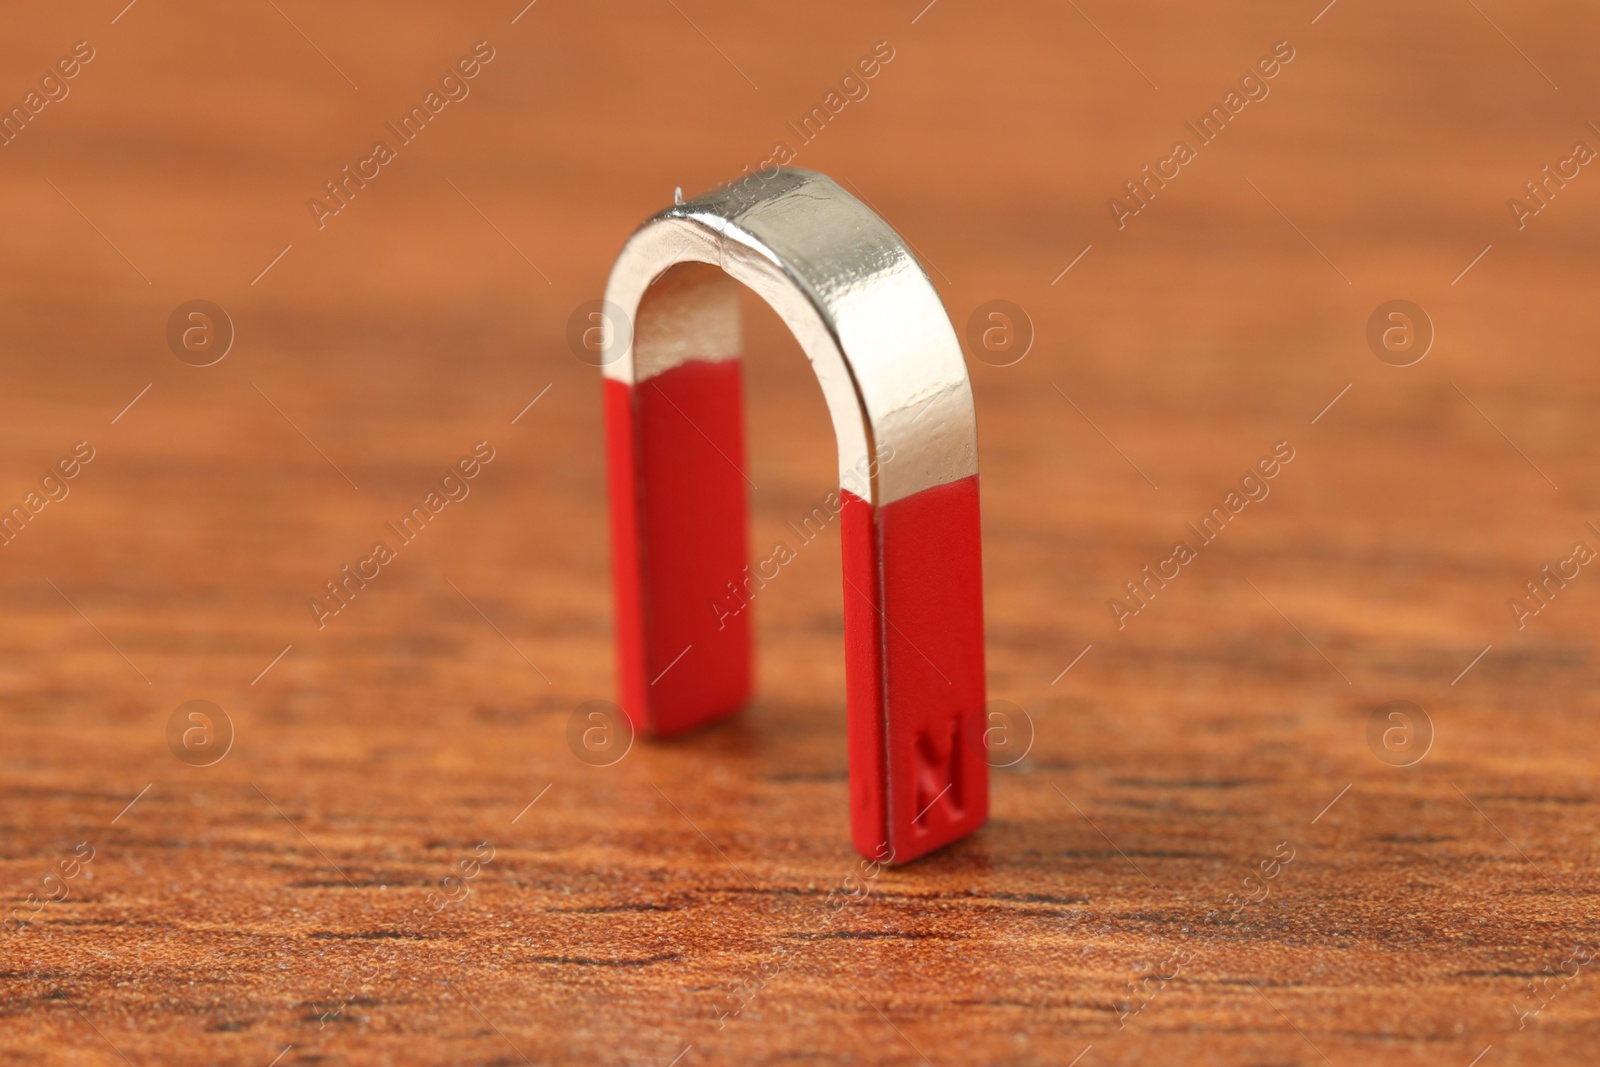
(856, 299)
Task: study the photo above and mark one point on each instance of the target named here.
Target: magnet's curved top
(848, 288)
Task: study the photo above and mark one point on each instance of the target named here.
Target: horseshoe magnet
(896, 387)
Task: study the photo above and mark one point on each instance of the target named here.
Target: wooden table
(277, 905)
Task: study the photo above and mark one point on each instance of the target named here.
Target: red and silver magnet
(896, 386)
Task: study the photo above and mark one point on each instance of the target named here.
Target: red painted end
(674, 457)
(915, 670)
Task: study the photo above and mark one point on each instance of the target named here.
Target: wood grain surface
(1204, 858)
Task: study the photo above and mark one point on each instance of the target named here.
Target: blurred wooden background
(263, 906)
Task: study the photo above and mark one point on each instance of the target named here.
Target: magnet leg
(675, 455)
(914, 665)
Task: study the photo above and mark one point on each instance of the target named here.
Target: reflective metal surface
(861, 306)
